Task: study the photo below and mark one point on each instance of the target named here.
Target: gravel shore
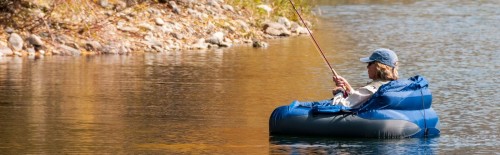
(121, 28)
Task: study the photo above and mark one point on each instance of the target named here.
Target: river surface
(219, 101)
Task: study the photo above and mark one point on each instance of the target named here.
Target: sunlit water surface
(219, 101)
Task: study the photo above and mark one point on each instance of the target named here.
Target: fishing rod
(335, 75)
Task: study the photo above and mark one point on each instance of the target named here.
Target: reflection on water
(316, 145)
(219, 101)
(179, 102)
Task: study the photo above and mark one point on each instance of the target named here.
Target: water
(219, 101)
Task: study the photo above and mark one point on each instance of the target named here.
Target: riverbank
(128, 27)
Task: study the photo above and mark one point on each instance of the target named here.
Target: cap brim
(366, 60)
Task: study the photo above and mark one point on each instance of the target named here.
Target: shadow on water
(281, 144)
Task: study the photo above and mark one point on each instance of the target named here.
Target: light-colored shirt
(359, 96)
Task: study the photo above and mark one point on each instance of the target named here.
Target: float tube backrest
(404, 94)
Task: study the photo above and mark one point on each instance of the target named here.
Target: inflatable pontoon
(399, 109)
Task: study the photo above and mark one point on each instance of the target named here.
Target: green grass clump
(281, 8)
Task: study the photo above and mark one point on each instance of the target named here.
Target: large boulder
(276, 29)
(35, 40)
(216, 38)
(16, 42)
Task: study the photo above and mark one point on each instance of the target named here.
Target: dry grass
(280, 8)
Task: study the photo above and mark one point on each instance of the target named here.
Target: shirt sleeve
(356, 97)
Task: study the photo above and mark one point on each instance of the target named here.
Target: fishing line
(315, 42)
(335, 75)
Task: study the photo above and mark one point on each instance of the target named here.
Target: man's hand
(342, 83)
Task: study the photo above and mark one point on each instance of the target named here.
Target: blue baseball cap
(382, 55)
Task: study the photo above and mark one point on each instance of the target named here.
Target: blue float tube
(399, 109)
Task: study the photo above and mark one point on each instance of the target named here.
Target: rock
(93, 46)
(267, 36)
(260, 44)
(120, 24)
(104, 3)
(120, 5)
(159, 21)
(176, 26)
(177, 35)
(66, 50)
(216, 38)
(44, 34)
(228, 7)
(16, 42)
(56, 52)
(18, 54)
(210, 26)
(166, 29)
(203, 16)
(152, 42)
(42, 52)
(213, 3)
(231, 29)
(193, 12)
(247, 41)
(276, 29)
(108, 13)
(129, 29)
(146, 26)
(35, 40)
(128, 17)
(117, 47)
(107, 49)
(173, 45)
(219, 40)
(124, 49)
(131, 3)
(132, 14)
(9, 30)
(154, 11)
(5, 51)
(225, 44)
(296, 28)
(200, 44)
(300, 30)
(174, 7)
(37, 13)
(73, 45)
(185, 2)
(63, 39)
(212, 46)
(158, 49)
(31, 51)
(284, 21)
